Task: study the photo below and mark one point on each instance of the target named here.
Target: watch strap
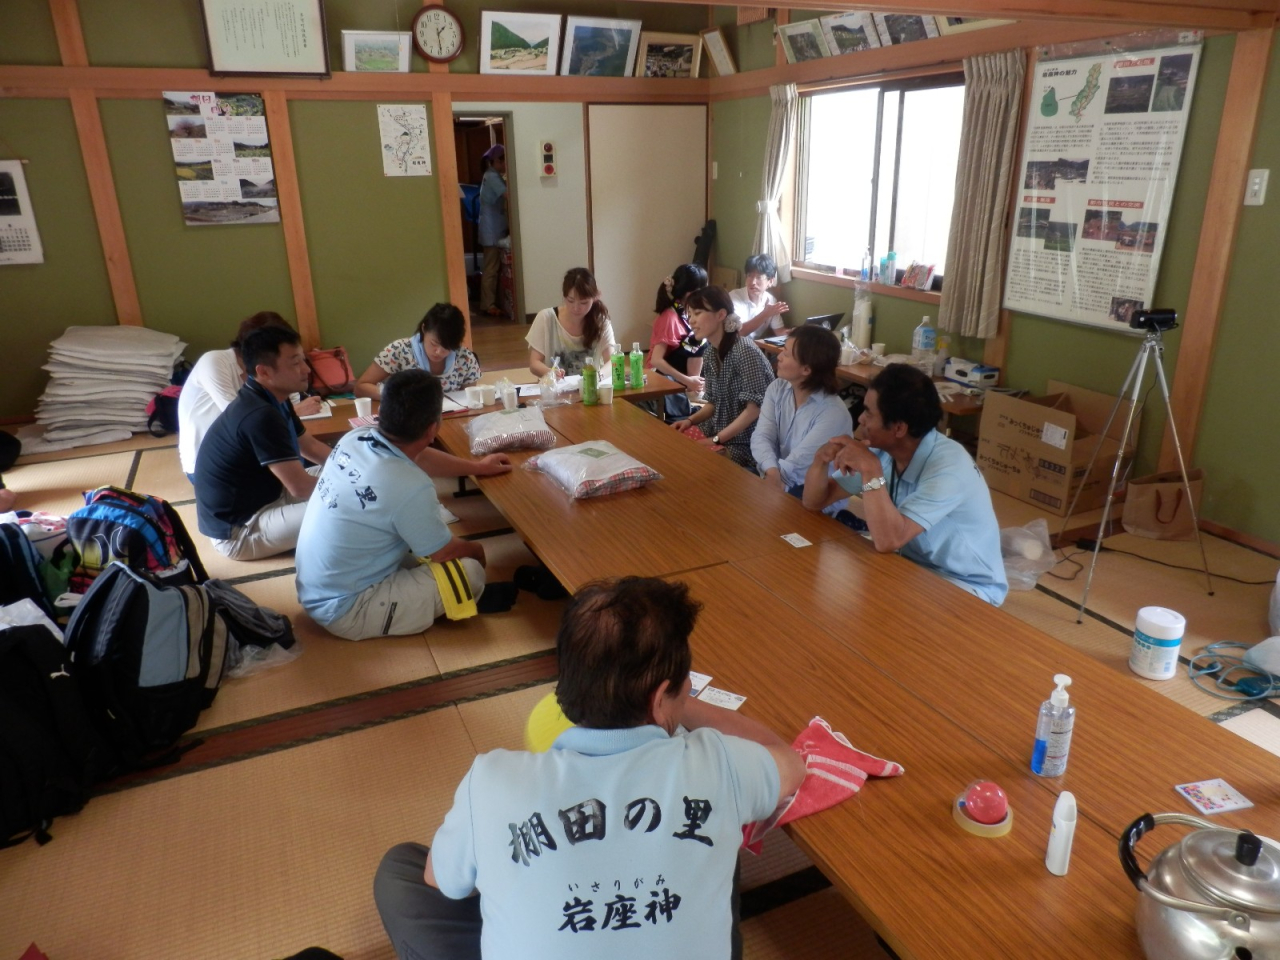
(875, 483)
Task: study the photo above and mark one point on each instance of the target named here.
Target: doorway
(475, 134)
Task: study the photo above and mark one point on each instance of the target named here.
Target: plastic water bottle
(891, 265)
(637, 366)
(924, 341)
(589, 395)
(866, 265)
(618, 362)
(1053, 731)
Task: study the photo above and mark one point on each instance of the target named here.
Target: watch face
(437, 33)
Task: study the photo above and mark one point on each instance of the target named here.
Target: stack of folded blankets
(101, 380)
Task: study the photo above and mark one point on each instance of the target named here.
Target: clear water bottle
(924, 344)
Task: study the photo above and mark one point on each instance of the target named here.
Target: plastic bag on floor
(1027, 553)
(519, 429)
(244, 659)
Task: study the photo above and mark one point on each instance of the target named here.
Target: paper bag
(1156, 506)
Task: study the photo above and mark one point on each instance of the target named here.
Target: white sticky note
(796, 540)
(1054, 435)
(722, 698)
(698, 681)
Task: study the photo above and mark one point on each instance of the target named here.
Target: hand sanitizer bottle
(589, 383)
(618, 362)
(637, 366)
(1053, 731)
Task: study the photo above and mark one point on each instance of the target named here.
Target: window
(877, 172)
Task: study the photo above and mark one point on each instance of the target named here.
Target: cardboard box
(1038, 448)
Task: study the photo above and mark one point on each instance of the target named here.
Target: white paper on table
(722, 698)
(530, 390)
(569, 384)
(698, 682)
(455, 400)
(326, 410)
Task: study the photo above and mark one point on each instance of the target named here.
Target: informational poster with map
(1099, 165)
(222, 156)
(406, 151)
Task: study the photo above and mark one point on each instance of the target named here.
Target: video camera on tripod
(1154, 319)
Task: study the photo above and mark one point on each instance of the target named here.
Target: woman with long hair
(578, 328)
(674, 350)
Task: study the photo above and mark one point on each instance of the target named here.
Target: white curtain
(973, 280)
(783, 121)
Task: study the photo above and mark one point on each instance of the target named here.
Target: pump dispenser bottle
(1053, 731)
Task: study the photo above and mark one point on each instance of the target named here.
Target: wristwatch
(716, 439)
(875, 483)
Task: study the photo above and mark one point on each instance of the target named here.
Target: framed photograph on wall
(849, 32)
(898, 28)
(669, 55)
(262, 38)
(597, 47)
(376, 51)
(519, 44)
(950, 25)
(803, 41)
(718, 51)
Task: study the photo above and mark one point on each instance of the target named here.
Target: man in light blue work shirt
(492, 225)
(372, 515)
(922, 494)
(620, 841)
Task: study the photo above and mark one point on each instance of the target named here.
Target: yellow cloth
(455, 589)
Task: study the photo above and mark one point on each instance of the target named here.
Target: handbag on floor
(330, 371)
(1156, 506)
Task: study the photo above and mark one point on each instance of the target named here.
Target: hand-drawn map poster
(1099, 164)
(402, 129)
(222, 156)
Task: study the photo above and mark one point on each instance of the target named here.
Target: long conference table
(910, 668)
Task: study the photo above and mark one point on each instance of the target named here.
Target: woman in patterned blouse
(736, 376)
(436, 347)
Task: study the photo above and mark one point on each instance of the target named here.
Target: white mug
(489, 394)
(364, 406)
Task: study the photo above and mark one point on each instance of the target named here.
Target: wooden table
(691, 518)
(928, 888)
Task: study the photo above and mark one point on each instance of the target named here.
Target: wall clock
(437, 33)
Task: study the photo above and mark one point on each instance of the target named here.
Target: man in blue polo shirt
(251, 485)
(922, 494)
(621, 840)
(373, 514)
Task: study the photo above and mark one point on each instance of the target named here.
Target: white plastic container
(1057, 857)
(1157, 641)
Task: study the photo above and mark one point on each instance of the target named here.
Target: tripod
(1152, 348)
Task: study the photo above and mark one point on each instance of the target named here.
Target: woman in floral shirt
(436, 347)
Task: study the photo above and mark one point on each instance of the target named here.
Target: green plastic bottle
(637, 366)
(618, 361)
(590, 396)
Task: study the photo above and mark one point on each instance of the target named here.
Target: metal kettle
(1214, 895)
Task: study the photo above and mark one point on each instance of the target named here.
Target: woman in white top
(576, 329)
(213, 383)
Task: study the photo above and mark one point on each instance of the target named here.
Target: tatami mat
(139, 441)
(326, 668)
(252, 860)
(821, 926)
(160, 474)
(498, 722)
(58, 487)
(219, 567)
(1257, 726)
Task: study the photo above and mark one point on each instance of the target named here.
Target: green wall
(39, 301)
(27, 36)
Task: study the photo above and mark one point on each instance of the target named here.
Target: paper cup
(510, 399)
(605, 392)
(475, 398)
(489, 394)
(364, 406)
(877, 349)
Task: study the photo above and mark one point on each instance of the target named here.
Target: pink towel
(837, 770)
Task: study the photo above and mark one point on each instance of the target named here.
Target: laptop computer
(828, 320)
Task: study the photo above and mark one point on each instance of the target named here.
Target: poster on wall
(406, 151)
(19, 238)
(1099, 164)
(222, 156)
(266, 37)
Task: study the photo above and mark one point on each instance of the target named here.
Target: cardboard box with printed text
(1038, 448)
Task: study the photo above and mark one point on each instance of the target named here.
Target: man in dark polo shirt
(251, 486)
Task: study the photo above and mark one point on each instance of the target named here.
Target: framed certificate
(260, 38)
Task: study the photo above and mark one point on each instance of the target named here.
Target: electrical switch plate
(715, 169)
(1255, 190)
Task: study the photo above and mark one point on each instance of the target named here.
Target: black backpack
(50, 753)
(20, 576)
(148, 658)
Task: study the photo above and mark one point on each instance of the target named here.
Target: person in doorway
(436, 347)
(737, 377)
(577, 329)
(674, 350)
(922, 494)
(251, 486)
(760, 310)
(373, 516)
(493, 229)
(648, 783)
(213, 383)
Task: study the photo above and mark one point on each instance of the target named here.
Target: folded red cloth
(837, 770)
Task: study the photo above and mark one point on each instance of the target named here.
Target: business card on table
(722, 698)
(796, 540)
(1214, 796)
(698, 682)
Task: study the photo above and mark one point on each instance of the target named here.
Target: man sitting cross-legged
(631, 822)
(373, 514)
